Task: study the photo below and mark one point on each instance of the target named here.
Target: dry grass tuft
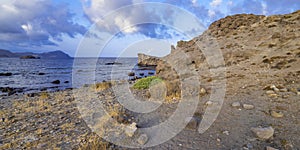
(94, 142)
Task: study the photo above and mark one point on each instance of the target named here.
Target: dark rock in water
(113, 63)
(66, 82)
(131, 74)
(31, 94)
(29, 57)
(43, 89)
(6, 89)
(151, 73)
(142, 74)
(55, 82)
(6, 74)
(41, 73)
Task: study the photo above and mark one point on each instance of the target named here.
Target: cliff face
(255, 44)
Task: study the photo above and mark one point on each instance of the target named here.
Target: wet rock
(151, 73)
(6, 74)
(263, 133)
(55, 82)
(130, 129)
(276, 114)
(143, 138)
(41, 73)
(271, 148)
(248, 106)
(236, 104)
(141, 74)
(66, 81)
(131, 74)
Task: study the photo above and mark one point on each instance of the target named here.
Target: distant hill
(46, 55)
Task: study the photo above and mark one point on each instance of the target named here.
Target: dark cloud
(35, 22)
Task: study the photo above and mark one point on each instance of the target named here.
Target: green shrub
(145, 83)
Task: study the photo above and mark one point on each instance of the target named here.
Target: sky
(116, 28)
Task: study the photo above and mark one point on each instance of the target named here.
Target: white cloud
(215, 3)
(211, 13)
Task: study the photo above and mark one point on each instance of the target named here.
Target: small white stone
(270, 92)
(236, 104)
(248, 106)
(130, 129)
(226, 132)
(263, 133)
(283, 90)
(142, 139)
(276, 114)
(208, 103)
(270, 148)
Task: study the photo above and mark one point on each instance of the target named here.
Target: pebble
(142, 139)
(236, 104)
(270, 148)
(276, 114)
(273, 95)
(130, 129)
(226, 132)
(263, 133)
(270, 92)
(298, 93)
(208, 103)
(248, 106)
(202, 91)
(283, 90)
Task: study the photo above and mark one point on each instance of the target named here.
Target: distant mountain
(6, 53)
(46, 55)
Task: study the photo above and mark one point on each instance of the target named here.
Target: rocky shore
(260, 109)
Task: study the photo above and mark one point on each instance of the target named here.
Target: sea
(34, 75)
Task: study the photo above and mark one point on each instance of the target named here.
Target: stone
(270, 92)
(192, 123)
(143, 138)
(6, 74)
(271, 148)
(131, 74)
(226, 132)
(248, 106)
(283, 90)
(130, 129)
(298, 93)
(209, 103)
(276, 114)
(236, 104)
(202, 91)
(55, 82)
(41, 73)
(263, 133)
(273, 95)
